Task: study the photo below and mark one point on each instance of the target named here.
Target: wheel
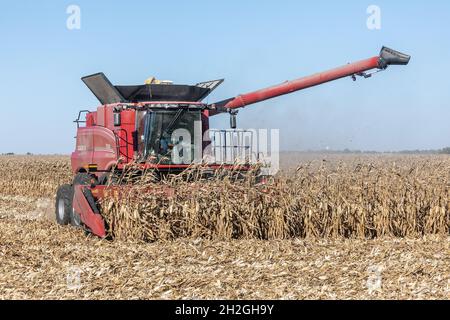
(80, 179)
(63, 206)
(109, 178)
(75, 219)
(83, 179)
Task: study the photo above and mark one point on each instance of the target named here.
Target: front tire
(83, 179)
(63, 205)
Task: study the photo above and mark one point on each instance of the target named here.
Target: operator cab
(169, 136)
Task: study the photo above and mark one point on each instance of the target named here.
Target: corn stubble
(377, 197)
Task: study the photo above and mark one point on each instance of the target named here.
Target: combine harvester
(137, 124)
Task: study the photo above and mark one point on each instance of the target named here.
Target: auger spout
(386, 57)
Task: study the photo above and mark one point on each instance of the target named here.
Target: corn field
(404, 198)
(326, 227)
(33, 176)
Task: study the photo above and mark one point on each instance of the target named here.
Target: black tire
(80, 179)
(83, 179)
(109, 178)
(75, 219)
(63, 204)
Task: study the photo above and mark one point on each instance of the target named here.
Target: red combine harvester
(162, 126)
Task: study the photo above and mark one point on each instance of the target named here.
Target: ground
(41, 260)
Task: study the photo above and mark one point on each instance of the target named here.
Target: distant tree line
(12, 154)
(349, 151)
(439, 151)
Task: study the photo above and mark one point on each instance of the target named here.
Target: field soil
(41, 260)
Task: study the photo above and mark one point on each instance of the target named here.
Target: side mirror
(134, 135)
(233, 120)
(117, 119)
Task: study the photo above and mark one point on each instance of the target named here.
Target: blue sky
(251, 44)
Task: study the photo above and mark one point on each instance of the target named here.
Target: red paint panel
(82, 156)
(91, 219)
(128, 124)
(105, 148)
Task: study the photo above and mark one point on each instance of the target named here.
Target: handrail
(229, 144)
(120, 139)
(78, 121)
